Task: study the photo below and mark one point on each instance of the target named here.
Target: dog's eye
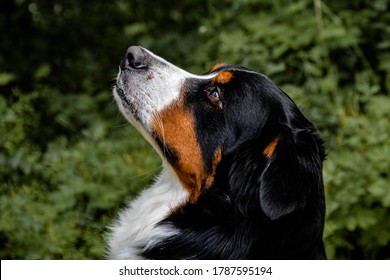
(214, 95)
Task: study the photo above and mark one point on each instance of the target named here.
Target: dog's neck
(137, 227)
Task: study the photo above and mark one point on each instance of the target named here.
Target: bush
(68, 163)
(56, 203)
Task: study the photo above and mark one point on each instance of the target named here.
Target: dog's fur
(242, 166)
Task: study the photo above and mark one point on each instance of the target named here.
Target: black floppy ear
(292, 178)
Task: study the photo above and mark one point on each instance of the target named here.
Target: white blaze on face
(152, 99)
(151, 90)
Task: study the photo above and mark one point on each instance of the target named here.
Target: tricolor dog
(242, 166)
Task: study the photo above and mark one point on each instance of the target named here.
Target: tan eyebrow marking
(223, 78)
(216, 67)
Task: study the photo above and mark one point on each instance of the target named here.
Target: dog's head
(230, 119)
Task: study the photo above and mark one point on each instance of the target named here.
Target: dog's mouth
(128, 103)
(122, 95)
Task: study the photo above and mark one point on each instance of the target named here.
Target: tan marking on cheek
(211, 177)
(223, 78)
(175, 126)
(209, 180)
(216, 66)
(270, 149)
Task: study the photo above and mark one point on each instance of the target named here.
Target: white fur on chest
(136, 228)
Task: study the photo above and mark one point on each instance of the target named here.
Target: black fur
(257, 208)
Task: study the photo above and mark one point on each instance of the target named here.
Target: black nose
(135, 58)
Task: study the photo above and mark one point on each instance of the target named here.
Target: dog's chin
(125, 108)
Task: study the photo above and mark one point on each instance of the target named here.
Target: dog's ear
(292, 178)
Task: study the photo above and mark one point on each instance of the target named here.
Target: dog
(242, 166)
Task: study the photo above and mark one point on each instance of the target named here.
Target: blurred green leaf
(6, 78)
(69, 161)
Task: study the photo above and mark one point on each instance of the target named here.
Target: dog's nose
(135, 58)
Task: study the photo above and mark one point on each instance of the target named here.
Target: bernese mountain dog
(242, 166)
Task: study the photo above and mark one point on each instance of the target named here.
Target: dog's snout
(135, 58)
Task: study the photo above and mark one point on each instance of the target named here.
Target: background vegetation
(69, 161)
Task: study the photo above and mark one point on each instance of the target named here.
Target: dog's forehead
(220, 73)
(224, 73)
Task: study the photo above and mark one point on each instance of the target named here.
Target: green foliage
(358, 184)
(56, 203)
(68, 163)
